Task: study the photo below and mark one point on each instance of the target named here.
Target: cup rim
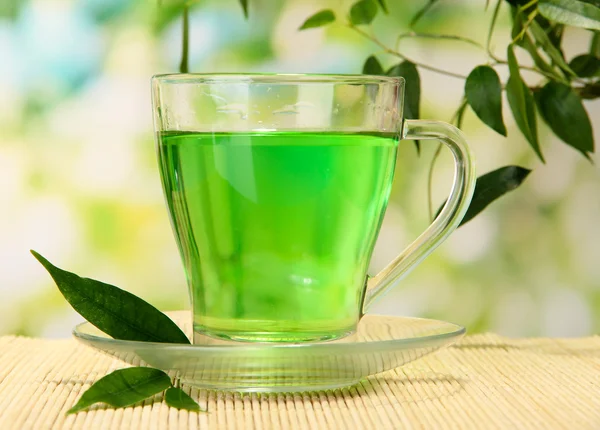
(276, 78)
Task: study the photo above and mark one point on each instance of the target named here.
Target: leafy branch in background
(538, 28)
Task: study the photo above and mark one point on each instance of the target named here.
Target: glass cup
(276, 187)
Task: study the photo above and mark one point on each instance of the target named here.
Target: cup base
(201, 332)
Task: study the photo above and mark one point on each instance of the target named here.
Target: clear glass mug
(277, 185)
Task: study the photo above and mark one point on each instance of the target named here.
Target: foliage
(491, 186)
(124, 316)
(538, 26)
(483, 91)
(116, 312)
(319, 19)
(124, 387)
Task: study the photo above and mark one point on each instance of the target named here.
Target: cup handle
(449, 218)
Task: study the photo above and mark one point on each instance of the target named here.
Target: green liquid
(276, 229)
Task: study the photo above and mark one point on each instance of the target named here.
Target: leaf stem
(528, 5)
(491, 31)
(413, 34)
(500, 62)
(185, 41)
(436, 154)
(458, 115)
(402, 56)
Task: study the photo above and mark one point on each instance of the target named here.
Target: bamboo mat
(485, 381)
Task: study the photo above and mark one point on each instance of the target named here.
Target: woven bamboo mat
(483, 382)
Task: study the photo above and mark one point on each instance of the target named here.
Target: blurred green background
(79, 180)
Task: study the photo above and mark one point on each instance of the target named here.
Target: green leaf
(412, 90)
(527, 43)
(554, 30)
(383, 6)
(586, 66)
(494, 18)
(571, 12)
(518, 23)
(522, 104)
(492, 186)
(124, 387)
(244, 4)
(422, 12)
(177, 398)
(529, 46)
(116, 312)
(372, 66)
(564, 113)
(484, 94)
(363, 12)
(319, 19)
(553, 52)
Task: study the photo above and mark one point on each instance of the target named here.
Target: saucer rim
(455, 331)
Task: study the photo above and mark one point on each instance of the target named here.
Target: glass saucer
(379, 344)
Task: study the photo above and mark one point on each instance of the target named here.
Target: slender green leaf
(494, 18)
(517, 27)
(421, 13)
(527, 43)
(412, 90)
(492, 186)
(571, 12)
(383, 6)
(244, 4)
(124, 387)
(372, 66)
(513, 65)
(484, 94)
(177, 398)
(553, 52)
(564, 113)
(529, 46)
(586, 65)
(363, 12)
(522, 104)
(554, 31)
(319, 19)
(116, 312)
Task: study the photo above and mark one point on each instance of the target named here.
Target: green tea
(276, 229)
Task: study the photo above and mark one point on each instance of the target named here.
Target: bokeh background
(79, 180)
